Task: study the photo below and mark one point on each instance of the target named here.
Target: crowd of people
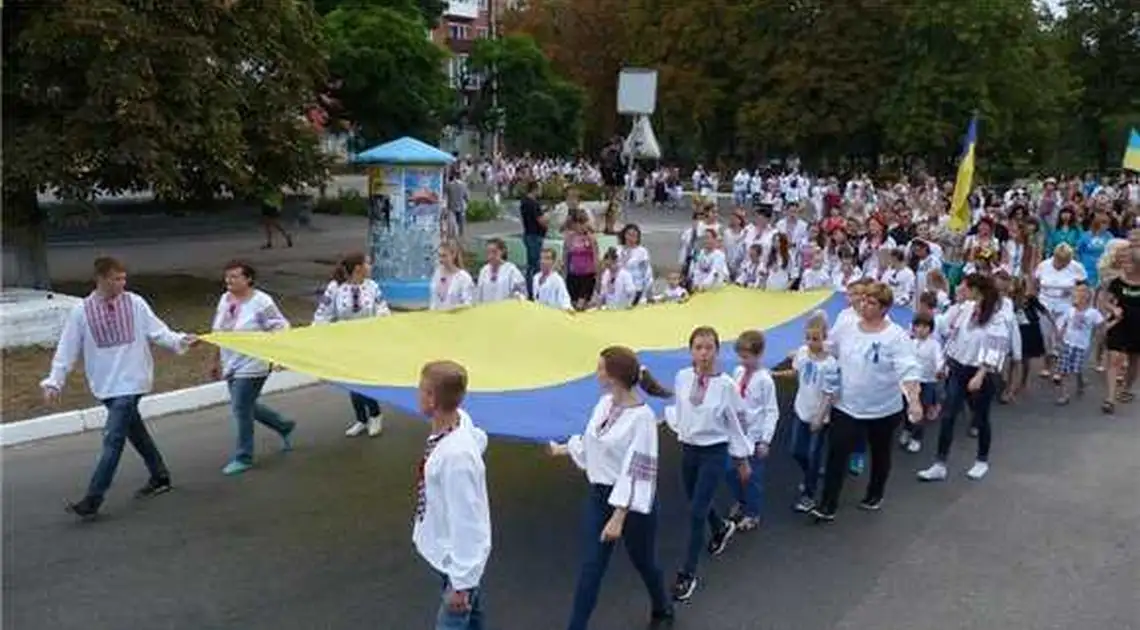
(1043, 278)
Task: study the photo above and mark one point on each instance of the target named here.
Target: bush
(480, 210)
(348, 202)
(554, 190)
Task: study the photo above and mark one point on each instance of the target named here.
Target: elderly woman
(1056, 276)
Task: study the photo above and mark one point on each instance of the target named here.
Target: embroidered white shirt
(619, 449)
(451, 291)
(550, 290)
(497, 284)
(258, 312)
(708, 411)
(342, 302)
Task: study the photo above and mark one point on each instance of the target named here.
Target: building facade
(463, 23)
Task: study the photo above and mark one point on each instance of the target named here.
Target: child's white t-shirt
(811, 372)
(1079, 326)
(930, 358)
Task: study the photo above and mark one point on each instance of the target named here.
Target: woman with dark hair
(977, 344)
(634, 257)
(1067, 230)
(619, 452)
(353, 294)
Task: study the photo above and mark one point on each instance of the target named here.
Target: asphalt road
(320, 538)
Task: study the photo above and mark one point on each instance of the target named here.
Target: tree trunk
(25, 242)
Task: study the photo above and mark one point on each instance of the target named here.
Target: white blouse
(751, 274)
(342, 302)
(710, 269)
(761, 407)
(451, 291)
(635, 260)
(550, 290)
(114, 337)
(496, 284)
(814, 279)
(256, 313)
(976, 345)
(902, 283)
(708, 412)
(781, 276)
(735, 248)
(616, 289)
(1056, 285)
(871, 367)
(619, 449)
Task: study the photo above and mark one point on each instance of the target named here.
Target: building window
(458, 32)
(457, 71)
(482, 5)
(481, 32)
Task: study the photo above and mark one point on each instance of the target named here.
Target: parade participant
(900, 278)
(710, 268)
(782, 269)
(112, 330)
(451, 285)
(751, 274)
(1075, 334)
(812, 365)
(634, 257)
(1122, 338)
(675, 291)
(1056, 276)
(452, 522)
(245, 308)
(499, 279)
(931, 365)
(1028, 312)
(548, 287)
(535, 225)
(874, 356)
(581, 253)
(977, 345)
(706, 419)
(815, 276)
(735, 241)
(353, 294)
(619, 453)
(617, 289)
(761, 413)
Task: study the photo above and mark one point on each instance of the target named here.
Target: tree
(390, 77)
(110, 96)
(539, 111)
(429, 10)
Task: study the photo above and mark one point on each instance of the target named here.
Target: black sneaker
(153, 488)
(871, 504)
(720, 539)
(804, 504)
(684, 586)
(822, 516)
(86, 508)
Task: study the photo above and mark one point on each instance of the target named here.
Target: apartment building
(463, 23)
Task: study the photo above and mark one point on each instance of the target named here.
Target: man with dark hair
(534, 232)
(112, 329)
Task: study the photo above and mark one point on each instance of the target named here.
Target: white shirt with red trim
(258, 312)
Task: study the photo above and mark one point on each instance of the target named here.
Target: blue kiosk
(405, 190)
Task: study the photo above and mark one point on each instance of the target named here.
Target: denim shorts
(929, 395)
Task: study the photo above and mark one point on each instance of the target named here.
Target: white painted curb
(151, 406)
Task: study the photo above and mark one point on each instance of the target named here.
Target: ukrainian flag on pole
(960, 206)
(1132, 152)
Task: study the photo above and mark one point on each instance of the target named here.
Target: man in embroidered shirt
(452, 522)
(112, 330)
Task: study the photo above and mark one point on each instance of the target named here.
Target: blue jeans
(807, 450)
(749, 495)
(244, 407)
(124, 423)
(533, 244)
(470, 620)
(957, 397)
(363, 407)
(702, 469)
(640, 537)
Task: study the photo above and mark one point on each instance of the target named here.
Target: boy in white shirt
(112, 329)
(931, 365)
(761, 413)
(452, 528)
(1076, 325)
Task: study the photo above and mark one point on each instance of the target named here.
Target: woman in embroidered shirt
(977, 345)
(875, 240)
(619, 452)
(549, 289)
(245, 308)
(499, 279)
(617, 290)
(751, 272)
(451, 285)
(353, 294)
(634, 257)
(900, 278)
(710, 269)
(707, 420)
(781, 268)
(736, 241)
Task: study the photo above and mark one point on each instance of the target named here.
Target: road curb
(151, 406)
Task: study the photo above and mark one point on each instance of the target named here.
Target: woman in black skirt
(1028, 310)
(1123, 332)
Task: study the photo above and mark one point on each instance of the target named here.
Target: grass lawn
(186, 303)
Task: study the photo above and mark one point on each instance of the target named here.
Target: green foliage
(391, 78)
(429, 10)
(347, 202)
(538, 110)
(482, 210)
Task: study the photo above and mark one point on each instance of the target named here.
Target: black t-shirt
(1128, 296)
(529, 211)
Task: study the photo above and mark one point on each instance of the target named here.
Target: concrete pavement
(320, 538)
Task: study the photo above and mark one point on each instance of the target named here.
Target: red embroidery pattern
(421, 482)
(112, 321)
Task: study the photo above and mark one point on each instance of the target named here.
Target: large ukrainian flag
(960, 207)
(1132, 152)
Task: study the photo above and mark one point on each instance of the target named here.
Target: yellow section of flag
(960, 206)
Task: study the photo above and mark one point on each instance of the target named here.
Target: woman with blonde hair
(1056, 277)
(451, 285)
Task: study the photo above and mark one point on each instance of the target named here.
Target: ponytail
(650, 385)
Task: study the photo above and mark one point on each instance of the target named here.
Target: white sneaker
(375, 426)
(904, 438)
(913, 446)
(356, 429)
(978, 470)
(936, 472)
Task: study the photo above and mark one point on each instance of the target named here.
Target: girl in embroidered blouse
(781, 265)
(246, 308)
(710, 269)
(751, 273)
(618, 451)
(634, 257)
(451, 285)
(616, 289)
(707, 419)
(549, 288)
(353, 294)
(736, 241)
(499, 279)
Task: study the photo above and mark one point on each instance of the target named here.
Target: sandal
(1125, 397)
(1108, 407)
